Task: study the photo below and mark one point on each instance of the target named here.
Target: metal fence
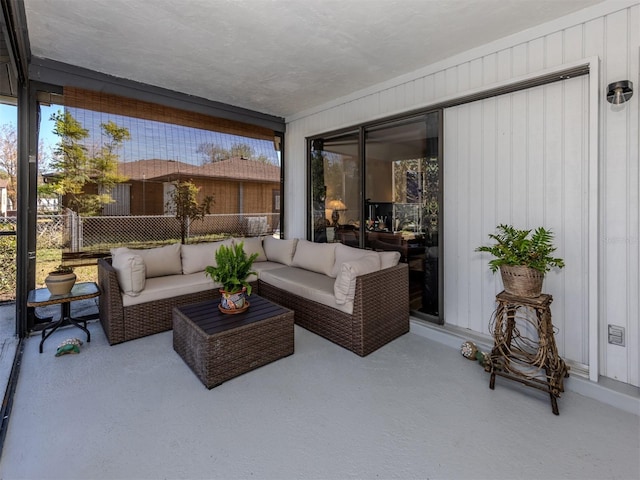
(51, 231)
(99, 234)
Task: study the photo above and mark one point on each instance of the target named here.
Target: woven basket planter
(522, 281)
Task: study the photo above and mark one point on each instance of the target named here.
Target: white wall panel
(490, 69)
(535, 55)
(519, 60)
(525, 190)
(621, 142)
(609, 31)
(553, 47)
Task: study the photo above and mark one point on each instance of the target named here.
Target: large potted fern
(232, 269)
(523, 258)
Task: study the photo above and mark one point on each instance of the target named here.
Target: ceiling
(278, 57)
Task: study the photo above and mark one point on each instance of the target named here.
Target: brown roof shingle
(233, 169)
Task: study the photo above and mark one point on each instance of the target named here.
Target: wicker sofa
(355, 298)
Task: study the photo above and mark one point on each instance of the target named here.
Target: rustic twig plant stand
(524, 345)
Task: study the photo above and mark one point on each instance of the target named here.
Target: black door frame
(361, 129)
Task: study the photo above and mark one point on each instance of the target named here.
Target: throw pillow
(344, 287)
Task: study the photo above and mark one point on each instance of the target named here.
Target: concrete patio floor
(413, 409)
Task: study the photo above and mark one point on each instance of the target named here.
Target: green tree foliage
(318, 188)
(184, 202)
(213, 153)
(105, 161)
(9, 159)
(77, 169)
(7, 264)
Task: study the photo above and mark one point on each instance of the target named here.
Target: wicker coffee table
(218, 346)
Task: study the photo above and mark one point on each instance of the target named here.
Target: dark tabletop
(211, 320)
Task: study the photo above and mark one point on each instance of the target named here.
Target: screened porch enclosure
(126, 192)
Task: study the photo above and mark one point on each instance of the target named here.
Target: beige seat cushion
(161, 288)
(304, 283)
(260, 267)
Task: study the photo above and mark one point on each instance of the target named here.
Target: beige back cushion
(389, 259)
(196, 257)
(252, 245)
(316, 257)
(159, 261)
(345, 253)
(278, 250)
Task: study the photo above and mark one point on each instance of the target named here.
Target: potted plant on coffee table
(232, 269)
(60, 280)
(523, 258)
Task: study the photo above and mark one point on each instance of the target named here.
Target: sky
(149, 139)
(9, 113)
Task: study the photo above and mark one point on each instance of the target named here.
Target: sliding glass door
(379, 187)
(402, 201)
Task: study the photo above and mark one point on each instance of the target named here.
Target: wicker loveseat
(379, 315)
(356, 298)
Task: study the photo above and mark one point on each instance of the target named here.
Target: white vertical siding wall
(609, 31)
(519, 159)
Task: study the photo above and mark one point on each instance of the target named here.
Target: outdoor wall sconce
(619, 92)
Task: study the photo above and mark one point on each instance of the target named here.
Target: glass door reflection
(336, 189)
(402, 192)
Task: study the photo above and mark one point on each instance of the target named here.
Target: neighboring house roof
(231, 169)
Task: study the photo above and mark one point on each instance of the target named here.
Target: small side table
(41, 297)
(517, 354)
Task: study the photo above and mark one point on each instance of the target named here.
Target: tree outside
(184, 202)
(213, 153)
(9, 160)
(76, 167)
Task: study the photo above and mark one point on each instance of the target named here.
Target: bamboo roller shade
(104, 102)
